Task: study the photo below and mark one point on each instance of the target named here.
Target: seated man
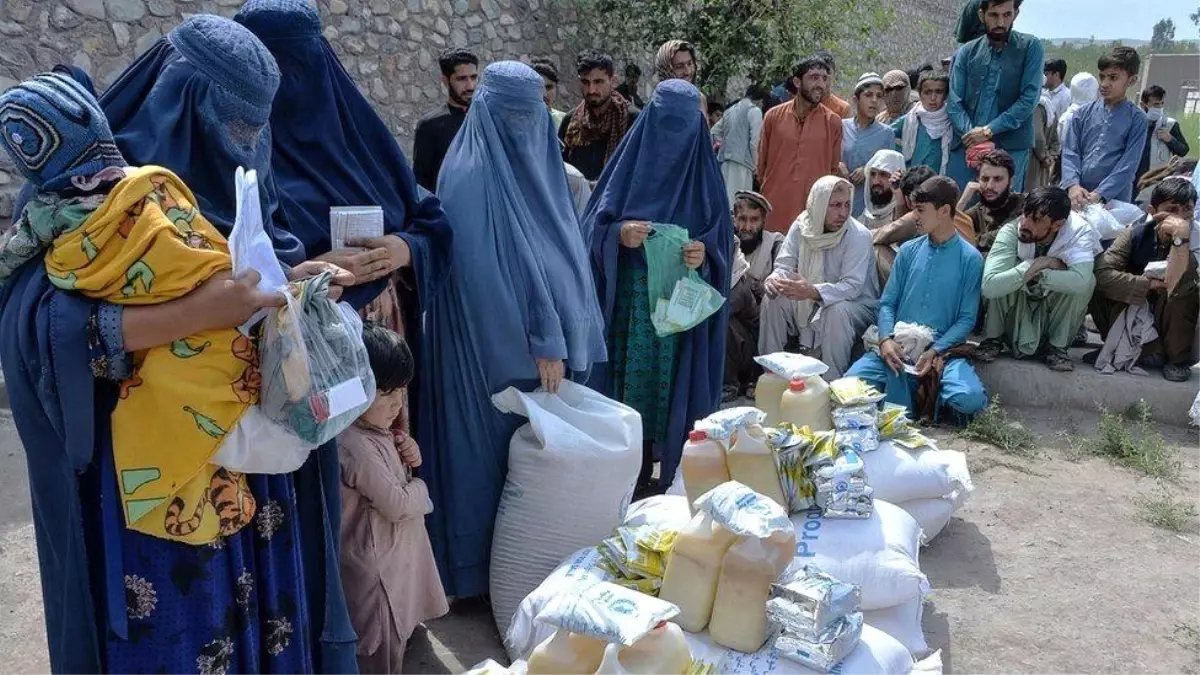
(1037, 281)
(888, 238)
(998, 204)
(883, 197)
(753, 260)
(822, 290)
(934, 283)
(1166, 235)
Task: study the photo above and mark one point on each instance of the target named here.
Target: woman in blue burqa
(330, 148)
(518, 310)
(197, 103)
(663, 172)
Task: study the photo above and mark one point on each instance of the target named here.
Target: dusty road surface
(1048, 568)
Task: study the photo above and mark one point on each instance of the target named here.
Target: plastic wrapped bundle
(842, 489)
(824, 651)
(316, 378)
(814, 599)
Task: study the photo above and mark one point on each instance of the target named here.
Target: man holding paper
(824, 288)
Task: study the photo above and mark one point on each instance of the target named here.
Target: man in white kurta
(824, 290)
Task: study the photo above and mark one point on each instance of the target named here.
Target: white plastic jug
(703, 466)
(739, 618)
(752, 463)
(767, 395)
(663, 651)
(690, 581)
(567, 653)
(806, 404)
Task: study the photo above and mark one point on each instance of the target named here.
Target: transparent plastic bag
(316, 376)
(679, 298)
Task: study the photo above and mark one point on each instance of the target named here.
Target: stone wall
(390, 47)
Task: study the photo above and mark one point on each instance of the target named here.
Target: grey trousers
(834, 330)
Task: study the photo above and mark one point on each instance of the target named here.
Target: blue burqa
(519, 290)
(198, 103)
(665, 171)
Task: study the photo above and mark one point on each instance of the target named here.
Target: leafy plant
(994, 426)
(1131, 441)
(1168, 512)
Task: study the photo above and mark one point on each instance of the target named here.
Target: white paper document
(354, 222)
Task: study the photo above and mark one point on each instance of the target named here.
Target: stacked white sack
(930, 484)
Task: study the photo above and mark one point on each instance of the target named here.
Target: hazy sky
(1104, 19)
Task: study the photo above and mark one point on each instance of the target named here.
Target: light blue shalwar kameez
(859, 146)
(929, 153)
(935, 285)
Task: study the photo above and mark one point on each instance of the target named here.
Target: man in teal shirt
(996, 82)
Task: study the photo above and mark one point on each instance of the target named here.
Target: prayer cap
(866, 80)
(271, 19)
(758, 199)
(896, 78)
(235, 60)
(55, 130)
(887, 161)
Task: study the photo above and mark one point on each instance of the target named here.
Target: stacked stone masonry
(389, 47)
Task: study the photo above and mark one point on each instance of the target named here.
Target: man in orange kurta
(801, 141)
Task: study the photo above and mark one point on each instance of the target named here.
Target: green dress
(641, 364)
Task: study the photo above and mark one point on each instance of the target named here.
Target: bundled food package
(722, 424)
(895, 425)
(898, 475)
(877, 654)
(662, 651)
(818, 599)
(842, 489)
(582, 568)
(577, 458)
(316, 379)
(764, 546)
(636, 556)
(823, 651)
(902, 622)
(878, 554)
(607, 612)
(853, 391)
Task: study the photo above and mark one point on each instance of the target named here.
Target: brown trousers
(741, 343)
(1174, 319)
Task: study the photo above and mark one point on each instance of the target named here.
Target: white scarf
(1077, 242)
(808, 232)
(937, 125)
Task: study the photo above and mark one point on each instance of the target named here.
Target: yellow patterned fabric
(148, 244)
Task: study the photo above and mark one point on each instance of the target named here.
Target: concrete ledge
(1028, 383)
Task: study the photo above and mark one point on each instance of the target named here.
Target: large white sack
(571, 472)
(902, 622)
(930, 665)
(877, 653)
(931, 514)
(877, 553)
(898, 475)
(678, 489)
(668, 511)
(525, 633)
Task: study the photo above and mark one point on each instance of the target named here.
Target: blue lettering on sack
(812, 527)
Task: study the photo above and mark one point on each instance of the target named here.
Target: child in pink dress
(388, 570)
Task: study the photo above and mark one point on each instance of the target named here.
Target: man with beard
(998, 204)
(823, 290)
(801, 142)
(460, 74)
(896, 88)
(884, 199)
(1037, 281)
(753, 260)
(996, 83)
(832, 101)
(593, 130)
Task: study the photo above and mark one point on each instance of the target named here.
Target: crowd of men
(1023, 144)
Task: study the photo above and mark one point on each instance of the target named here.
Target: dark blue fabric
(519, 290)
(330, 148)
(665, 171)
(79, 75)
(165, 111)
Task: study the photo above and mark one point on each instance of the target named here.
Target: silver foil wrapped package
(859, 440)
(827, 650)
(841, 487)
(862, 416)
(811, 600)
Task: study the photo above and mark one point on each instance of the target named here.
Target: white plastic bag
(249, 245)
(721, 424)
(899, 475)
(930, 665)
(743, 511)
(258, 445)
(933, 515)
(792, 366)
(879, 553)
(877, 654)
(571, 474)
(580, 569)
(607, 612)
(1103, 221)
(902, 622)
(1125, 213)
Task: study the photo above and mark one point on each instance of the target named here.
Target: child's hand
(410, 452)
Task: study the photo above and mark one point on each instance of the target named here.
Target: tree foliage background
(1164, 35)
(761, 39)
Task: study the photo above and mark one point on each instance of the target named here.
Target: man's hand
(976, 136)
(311, 268)
(225, 302)
(410, 452)
(550, 371)
(1163, 135)
(925, 362)
(972, 188)
(693, 254)
(857, 176)
(892, 355)
(1042, 264)
(771, 286)
(896, 176)
(1173, 226)
(1158, 285)
(1080, 198)
(634, 233)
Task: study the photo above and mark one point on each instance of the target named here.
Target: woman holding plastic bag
(518, 310)
(663, 172)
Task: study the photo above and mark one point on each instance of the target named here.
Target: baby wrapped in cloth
(142, 243)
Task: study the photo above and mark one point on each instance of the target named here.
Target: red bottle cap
(697, 436)
(798, 386)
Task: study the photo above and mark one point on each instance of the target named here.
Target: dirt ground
(1048, 568)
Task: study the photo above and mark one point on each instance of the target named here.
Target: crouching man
(753, 261)
(1037, 281)
(934, 283)
(823, 290)
(1168, 234)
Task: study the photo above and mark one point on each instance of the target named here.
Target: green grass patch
(1131, 441)
(1168, 512)
(995, 427)
(1189, 126)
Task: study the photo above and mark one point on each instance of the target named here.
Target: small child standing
(388, 571)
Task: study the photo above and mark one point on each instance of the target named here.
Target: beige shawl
(812, 240)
